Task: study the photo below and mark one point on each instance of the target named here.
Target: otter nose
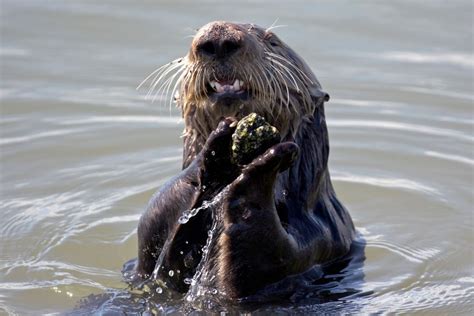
(219, 48)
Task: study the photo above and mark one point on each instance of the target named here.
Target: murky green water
(82, 151)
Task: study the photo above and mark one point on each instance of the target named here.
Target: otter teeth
(235, 87)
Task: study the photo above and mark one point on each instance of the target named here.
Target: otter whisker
(175, 96)
(306, 97)
(275, 84)
(166, 84)
(177, 81)
(275, 88)
(271, 92)
(262, 92)
(161, 88)
(188, 77)
(257, 83)
(198, 80)
(162, 83)
(178, 60)
(272, 83)
(280, 74)
(196, 77)
(267, 93)
(289, 63)
(161, 76)
(287, 71)
(203, 81)
(150, 75)
(274, 26)
(296, 79)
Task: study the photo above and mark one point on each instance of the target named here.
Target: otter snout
(218, 48)
(218, 40)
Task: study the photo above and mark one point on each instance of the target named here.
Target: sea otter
(273, 217)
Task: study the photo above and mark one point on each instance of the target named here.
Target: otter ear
(319, 95)
(326, 96)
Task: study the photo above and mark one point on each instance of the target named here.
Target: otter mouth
(227, 91)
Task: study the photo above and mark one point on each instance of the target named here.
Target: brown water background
(82, 151)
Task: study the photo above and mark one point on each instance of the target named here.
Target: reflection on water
(333, 288)
(82, 151)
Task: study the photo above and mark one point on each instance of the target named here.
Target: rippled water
(82, 151)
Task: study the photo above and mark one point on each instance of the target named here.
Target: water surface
(82, 151)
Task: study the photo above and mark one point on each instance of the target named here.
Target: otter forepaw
(278, 158)
(219, 142)
(216, 154)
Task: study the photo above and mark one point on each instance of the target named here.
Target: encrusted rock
(251, 138)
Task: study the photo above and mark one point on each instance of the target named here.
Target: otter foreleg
(209, 172)
(254, 248)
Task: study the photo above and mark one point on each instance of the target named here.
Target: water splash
(159, 262)
(196, 286)
(183, 219)
(188, 214)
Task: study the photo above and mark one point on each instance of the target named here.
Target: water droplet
(186, 242)
(178, 271)
(285, 193)
(159, 290)
(214, 291)
(171, 273)
(181, 252)
(188, 281)
(183, 219)
(209, 233)
(213, 153)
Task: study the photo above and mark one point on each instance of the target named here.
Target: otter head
(235, 69)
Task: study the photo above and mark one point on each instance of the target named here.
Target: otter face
(236, 69)
(216, 50)
(233, 70)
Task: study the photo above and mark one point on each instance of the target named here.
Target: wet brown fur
(288, 217)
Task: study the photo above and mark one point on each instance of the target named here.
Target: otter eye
(271, 39)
